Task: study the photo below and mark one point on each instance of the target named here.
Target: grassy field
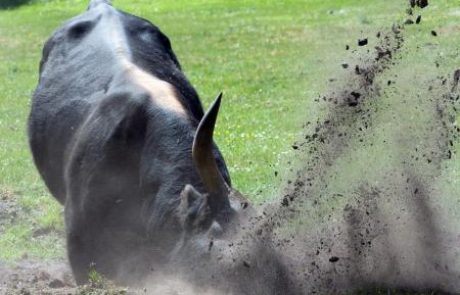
(271, 59)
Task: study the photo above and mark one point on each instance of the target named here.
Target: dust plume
(366, 207)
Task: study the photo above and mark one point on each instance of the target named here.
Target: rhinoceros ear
(194, 212)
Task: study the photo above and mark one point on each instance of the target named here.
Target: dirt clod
(409, 22)
(455, 80)
(56, 284)
(334, 259)
(422, 3)
(362, 42)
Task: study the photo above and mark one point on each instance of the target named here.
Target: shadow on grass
(9, 4)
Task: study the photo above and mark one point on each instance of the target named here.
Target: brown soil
(36, 277)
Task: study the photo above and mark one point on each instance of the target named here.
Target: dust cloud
(366, 208)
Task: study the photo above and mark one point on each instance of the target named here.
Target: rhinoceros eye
(79, 30)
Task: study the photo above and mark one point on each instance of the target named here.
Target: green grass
(271, 58)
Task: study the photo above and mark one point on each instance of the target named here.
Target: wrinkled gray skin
(143, 185)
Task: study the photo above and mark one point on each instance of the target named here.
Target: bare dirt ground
(36, 277)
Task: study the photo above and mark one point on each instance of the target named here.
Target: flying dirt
(367, 207)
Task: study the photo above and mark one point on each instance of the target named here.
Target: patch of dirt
(8, 212)
(29, 277)
(36, 277)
